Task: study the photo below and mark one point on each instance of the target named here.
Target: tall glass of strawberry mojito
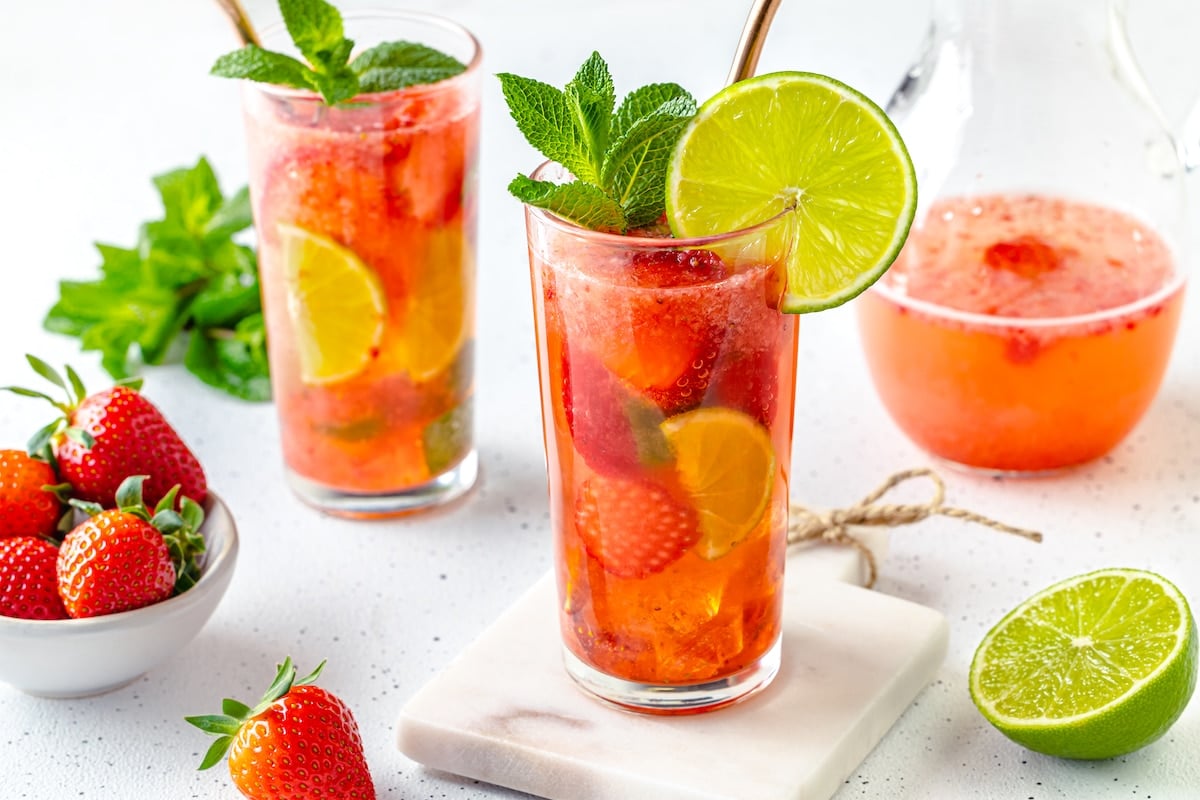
(667, 375)
(366, 217)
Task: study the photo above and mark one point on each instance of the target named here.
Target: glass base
(690, 698)
(1008, 472)
(446, 488)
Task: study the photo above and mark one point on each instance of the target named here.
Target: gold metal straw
(745, 61)
(241, 23)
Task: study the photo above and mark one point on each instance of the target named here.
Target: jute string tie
(807, 525)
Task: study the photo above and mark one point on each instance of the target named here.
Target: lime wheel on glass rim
(808, 144)
(1093, 667)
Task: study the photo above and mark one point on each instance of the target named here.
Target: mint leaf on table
(618, 158)
(186, 275)
(232, 361)
(318, 32)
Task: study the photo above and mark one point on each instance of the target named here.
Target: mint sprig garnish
(318, 32)
(185, 277)
(618, 156)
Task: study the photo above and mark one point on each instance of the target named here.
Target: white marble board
(506, 713)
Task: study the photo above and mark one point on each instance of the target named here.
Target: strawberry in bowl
(101, 439)
(144, 558)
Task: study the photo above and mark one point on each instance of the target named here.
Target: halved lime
(336, 304)
(797, 140)
(1096, 666)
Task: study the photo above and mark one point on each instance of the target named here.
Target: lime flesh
(336, 304)
(806, 143)
(1094, 667)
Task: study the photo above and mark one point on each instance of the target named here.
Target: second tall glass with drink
(366, 215)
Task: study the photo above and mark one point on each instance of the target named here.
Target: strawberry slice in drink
(673, 348)
(612, 428)
(748, 382)
(673, 268)
(633, 528)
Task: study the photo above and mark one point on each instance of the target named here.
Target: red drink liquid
(1022, 332)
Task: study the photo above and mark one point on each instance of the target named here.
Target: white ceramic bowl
(80, 657)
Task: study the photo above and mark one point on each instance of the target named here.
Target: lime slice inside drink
(806, 142)
(1093, 667)
(336, 304)
(725, 461)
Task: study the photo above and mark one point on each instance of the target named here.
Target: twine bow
(806, 525)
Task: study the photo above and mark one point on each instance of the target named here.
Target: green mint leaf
(544, 116)
(113, 339)
(256, 64)
(582, 203)
(338, 57)
(186, 270)
(226, 299)
(111, 321)
(121, 267)
(591, 97)
(336, 86)
(232, 361)
(645, 101)
(398, 65)
(80, 305)
(447, 439)
(406, 55)
(147, 317)
(189, 195)
(619, 157)
(635, 168)
(389, 79)
(232, 216)
(170, 255)
(315, 27)
(228, 256)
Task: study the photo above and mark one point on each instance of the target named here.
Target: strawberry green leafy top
(317, 31)
(618, 155)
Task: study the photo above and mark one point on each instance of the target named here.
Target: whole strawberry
(28, 588)
(103, 438)
(299, 743)
(126, 557)
(26, 507)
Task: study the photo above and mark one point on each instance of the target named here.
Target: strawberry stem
(236, 713)
(180, 529)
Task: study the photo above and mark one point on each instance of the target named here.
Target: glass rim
(626, 242)
(976, 319)
(473, 64)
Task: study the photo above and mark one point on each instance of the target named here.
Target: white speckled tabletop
(97, 97)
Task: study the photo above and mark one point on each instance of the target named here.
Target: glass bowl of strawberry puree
(1023, 333)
